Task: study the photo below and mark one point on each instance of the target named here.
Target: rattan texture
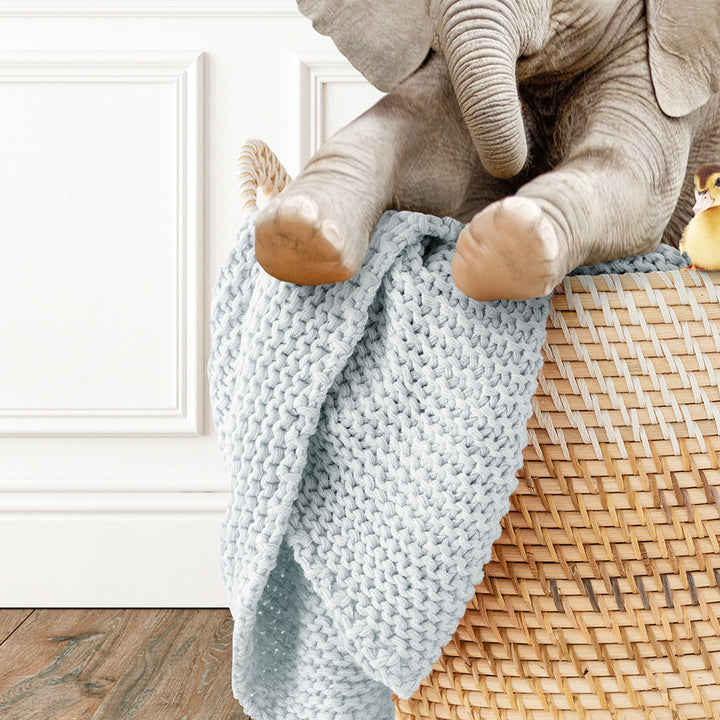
(602, 596)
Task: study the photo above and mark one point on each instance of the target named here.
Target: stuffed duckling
(701, 239)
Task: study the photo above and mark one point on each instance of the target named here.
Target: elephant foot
(508, 251)
(296, 241)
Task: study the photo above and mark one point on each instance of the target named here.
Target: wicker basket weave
(602, 596)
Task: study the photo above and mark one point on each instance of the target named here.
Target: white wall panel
(119, 208)
(100, 243)
(333, 92)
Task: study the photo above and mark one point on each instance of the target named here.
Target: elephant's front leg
(410, 151)
(611, 196)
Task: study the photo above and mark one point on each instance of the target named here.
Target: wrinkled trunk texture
(481, 47)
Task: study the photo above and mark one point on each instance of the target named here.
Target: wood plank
(10, 621)
(182, 672)
(61, 664)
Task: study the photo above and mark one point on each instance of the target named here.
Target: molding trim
(152, 552)
(317, 71)
(185, 72)
(135, 8)
(137, 503)
(110, 485)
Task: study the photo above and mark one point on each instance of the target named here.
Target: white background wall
(120, 124)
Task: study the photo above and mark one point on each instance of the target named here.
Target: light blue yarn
(371, 431)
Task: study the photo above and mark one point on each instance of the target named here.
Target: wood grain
(110, 664)
(180, 671)
(10, 620)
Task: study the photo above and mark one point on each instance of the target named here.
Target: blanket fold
(372, 431)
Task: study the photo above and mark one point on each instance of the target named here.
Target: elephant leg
(410, 151)
(612, 193)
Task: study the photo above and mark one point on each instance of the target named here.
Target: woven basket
(602, 596)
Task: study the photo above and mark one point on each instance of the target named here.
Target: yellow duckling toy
(701, 239)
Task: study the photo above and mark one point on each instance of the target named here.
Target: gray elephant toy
(563, 132)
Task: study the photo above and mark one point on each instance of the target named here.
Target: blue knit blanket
(372, 431)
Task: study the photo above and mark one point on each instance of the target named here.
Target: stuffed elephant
(563, 132)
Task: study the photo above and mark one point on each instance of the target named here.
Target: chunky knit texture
(372, 431)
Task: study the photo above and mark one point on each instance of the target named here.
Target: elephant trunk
(481, 46)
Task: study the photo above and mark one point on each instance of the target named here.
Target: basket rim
(642, 281)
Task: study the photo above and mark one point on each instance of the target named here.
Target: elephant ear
(385, 41)
(684, 51)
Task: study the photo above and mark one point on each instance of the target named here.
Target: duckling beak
(704, 201)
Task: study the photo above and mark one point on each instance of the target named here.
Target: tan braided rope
(258, 168)
(602, 597)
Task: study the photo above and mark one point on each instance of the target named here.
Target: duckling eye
(717, 183)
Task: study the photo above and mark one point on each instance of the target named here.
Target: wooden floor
(108, 664)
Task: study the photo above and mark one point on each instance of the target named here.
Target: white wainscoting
(332, 91)
(120, 124)
(102, 185)
(126, 8)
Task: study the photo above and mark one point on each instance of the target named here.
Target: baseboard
(111, 549)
